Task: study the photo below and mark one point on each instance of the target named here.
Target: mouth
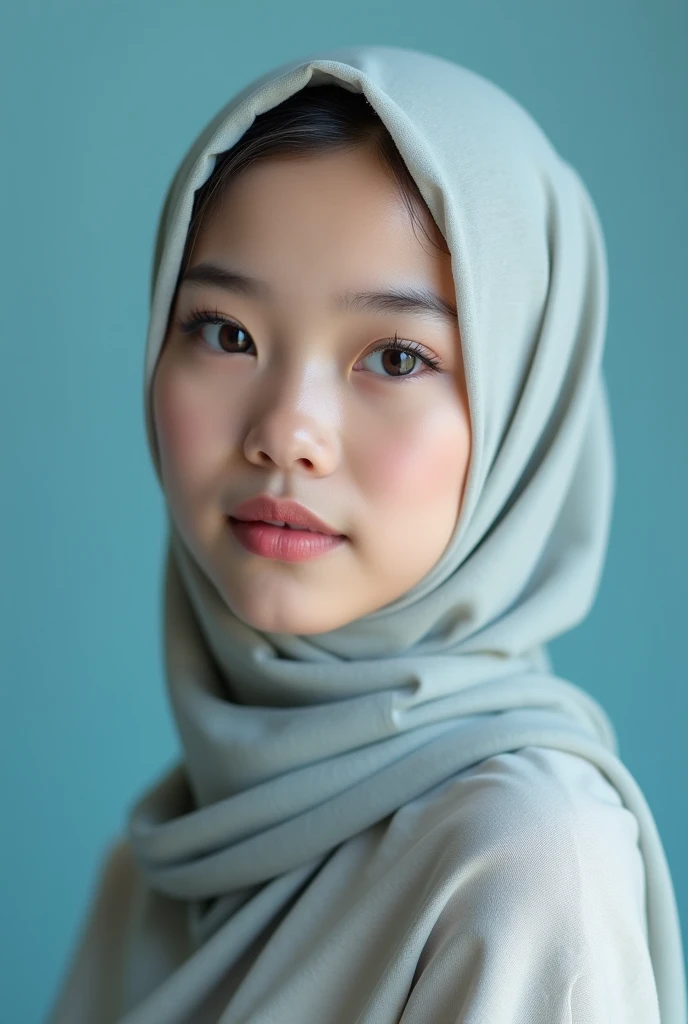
(274, 522)
(282, 541)
(282, 513)
(283, 526)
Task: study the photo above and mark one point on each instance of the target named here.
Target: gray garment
(513, 892)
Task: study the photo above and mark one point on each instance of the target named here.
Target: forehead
(340, 213)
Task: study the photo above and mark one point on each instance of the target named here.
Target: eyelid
(197, 317)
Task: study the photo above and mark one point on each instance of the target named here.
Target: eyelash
(197, 318)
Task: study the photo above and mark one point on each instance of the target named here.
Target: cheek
(421, 468)
(192, 431)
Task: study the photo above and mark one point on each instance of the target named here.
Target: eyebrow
(400, 300)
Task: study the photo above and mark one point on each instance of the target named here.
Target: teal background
(100, 100)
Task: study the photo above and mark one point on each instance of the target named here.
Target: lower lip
(282, 543)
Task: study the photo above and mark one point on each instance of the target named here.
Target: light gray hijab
(293, 744)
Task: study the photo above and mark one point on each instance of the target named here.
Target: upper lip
(283, 510)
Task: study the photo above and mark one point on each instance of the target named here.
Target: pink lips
(282, 510)
(282, 543)
(309, 538)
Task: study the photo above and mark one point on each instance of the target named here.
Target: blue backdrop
(100, 101)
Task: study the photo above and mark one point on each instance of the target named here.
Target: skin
(304, 407)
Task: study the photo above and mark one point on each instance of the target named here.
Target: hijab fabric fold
(294, 744)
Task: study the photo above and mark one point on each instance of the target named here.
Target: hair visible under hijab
(312, 121)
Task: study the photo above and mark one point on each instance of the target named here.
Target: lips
(282, 510)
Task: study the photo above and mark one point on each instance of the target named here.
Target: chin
(289, 624)
(284, 619)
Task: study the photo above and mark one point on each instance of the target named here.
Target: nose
(296, 428)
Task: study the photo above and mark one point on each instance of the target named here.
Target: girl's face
(298, 397)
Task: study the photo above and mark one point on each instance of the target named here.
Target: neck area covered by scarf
(294, 744)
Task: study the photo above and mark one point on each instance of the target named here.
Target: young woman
(374, 403)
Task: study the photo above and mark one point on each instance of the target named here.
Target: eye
(230, 337)
(405, 356)
(216, 332)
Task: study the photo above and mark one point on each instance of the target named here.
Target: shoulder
(536, 832)
(554, 813)
(538, 890)
(532, 792)
(89, 988)
(552, 802)
(525, 794)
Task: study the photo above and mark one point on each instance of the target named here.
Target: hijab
(294, 744)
